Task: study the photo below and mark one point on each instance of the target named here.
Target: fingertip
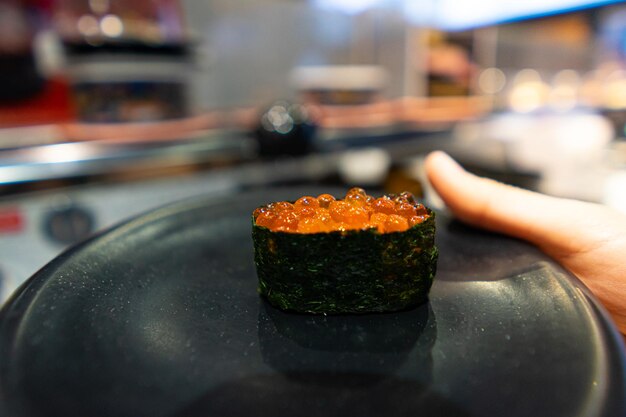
(442, 169)
(437, 154)
(439, 160)
(434, 157)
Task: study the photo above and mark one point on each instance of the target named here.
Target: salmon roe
(357, 211)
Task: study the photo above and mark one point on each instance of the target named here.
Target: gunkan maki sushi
(359, 254)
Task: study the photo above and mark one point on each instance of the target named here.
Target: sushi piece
(356, 255)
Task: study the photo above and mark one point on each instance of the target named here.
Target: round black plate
(160, 317)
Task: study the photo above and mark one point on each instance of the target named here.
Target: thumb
(556, 225)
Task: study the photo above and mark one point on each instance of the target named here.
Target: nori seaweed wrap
(351, 270)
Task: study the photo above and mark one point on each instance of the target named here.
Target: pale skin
(587, 239)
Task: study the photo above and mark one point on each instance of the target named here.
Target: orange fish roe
(357, 211)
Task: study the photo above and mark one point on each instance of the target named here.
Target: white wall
(247, 49)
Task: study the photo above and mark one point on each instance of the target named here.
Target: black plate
(160, 317)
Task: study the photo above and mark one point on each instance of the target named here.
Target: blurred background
(109, 108)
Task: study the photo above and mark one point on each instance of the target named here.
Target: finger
(557, 225)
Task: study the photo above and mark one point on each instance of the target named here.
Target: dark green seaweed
(346, 272)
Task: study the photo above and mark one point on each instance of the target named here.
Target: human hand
(587, 239)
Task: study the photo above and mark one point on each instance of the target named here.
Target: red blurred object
(27, 97)
(11, 220)
(42, 5)
(51, 105)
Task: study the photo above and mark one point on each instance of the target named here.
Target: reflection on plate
(375, 344)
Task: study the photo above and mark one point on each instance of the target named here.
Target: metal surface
(160, 317)
(65, 160)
